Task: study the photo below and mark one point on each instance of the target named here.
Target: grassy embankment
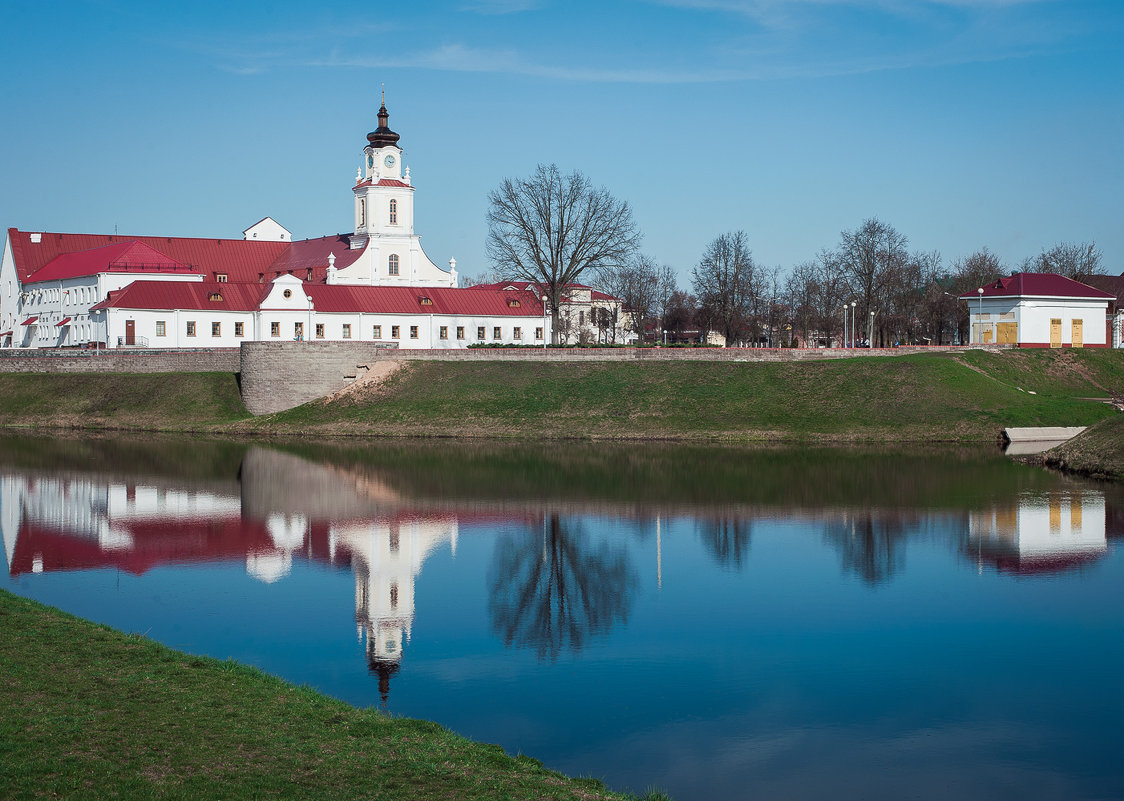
(1098, 452)
(93, 713)
(968, 396)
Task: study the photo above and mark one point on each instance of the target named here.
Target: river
(712, 622)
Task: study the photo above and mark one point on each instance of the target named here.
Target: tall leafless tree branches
(550, 228)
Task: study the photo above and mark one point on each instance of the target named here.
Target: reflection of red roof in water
(1043, 565)
(154, 544)
(184, 541)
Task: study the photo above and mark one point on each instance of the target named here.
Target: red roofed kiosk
(1039, 310)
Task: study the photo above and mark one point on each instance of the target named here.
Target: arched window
(392, 262)
(394, 212)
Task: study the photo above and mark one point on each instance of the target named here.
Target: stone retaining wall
(180, 360)
(281, 375)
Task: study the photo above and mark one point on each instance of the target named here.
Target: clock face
(388, 161)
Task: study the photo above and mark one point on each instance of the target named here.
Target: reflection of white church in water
(1044, 533)
(53, 523)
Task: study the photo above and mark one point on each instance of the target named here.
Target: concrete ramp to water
(1024, 441)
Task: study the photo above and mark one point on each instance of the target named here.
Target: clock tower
(384, 204)
(384, 220)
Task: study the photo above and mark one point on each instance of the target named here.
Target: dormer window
(215, 297)
(426, 301)
(220, 278)
(513, 303)
(394, 212)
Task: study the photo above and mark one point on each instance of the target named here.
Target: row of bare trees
(556, 229)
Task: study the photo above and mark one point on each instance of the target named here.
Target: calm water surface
(715, 623)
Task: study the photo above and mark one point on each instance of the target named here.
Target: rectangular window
(497, 333)
(347, 330)
(220, 277)
(444, 332)
(298, 330)
(239, 329)
(275, 329)
(517, 333)
(216, 329)
(394, 331)
(319, 330)
(581, 318)
(160, 329)
(538, 333)
(480, 332)
(191, 328)
(460, 332)
(376, 332)
(413, 332)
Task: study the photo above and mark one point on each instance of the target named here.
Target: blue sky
(963, 123)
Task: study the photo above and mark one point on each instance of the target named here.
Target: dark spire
(383, 136)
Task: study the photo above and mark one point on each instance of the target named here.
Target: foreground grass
(962, 397)
(93, 713)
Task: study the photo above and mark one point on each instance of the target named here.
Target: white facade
(286, 313)
(1036, 319)
(268, 229)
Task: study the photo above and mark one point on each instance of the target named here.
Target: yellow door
(1008, 333)
(1055, 332)
(1078, 333)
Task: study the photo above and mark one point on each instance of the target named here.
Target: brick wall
(281, 375)
(202, 360)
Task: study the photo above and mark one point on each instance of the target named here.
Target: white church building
(372, 284)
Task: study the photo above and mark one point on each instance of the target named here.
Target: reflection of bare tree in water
(551, 589)
(726, 538)
(871, 547)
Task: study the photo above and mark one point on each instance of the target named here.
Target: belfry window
(362, 211)
(392, 263)
(394, 212)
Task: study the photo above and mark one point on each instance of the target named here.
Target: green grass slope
(93, 713)
(1097, 452)
(968, 396)
(143, 401)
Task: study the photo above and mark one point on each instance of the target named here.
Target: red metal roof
(123, 257)
(334, 298)
(533, 286)
(62, 322)
(312, 254)
(29, 321)
(385, 182)
(408, 300)
(1038, 285)
(226, 296)
(241, 260)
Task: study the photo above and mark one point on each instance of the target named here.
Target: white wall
(1033, 316)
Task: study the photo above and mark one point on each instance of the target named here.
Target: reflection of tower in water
(387, 556)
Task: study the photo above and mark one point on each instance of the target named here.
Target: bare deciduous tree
(1076, 260)
(724, 281)
(550, 228)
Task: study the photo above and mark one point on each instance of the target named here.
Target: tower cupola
(383, 136)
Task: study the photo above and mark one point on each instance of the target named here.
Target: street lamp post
(844, 325)
(979, 316)
(544, 322)
(854, 303)
(870, 333)
(308, 333)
